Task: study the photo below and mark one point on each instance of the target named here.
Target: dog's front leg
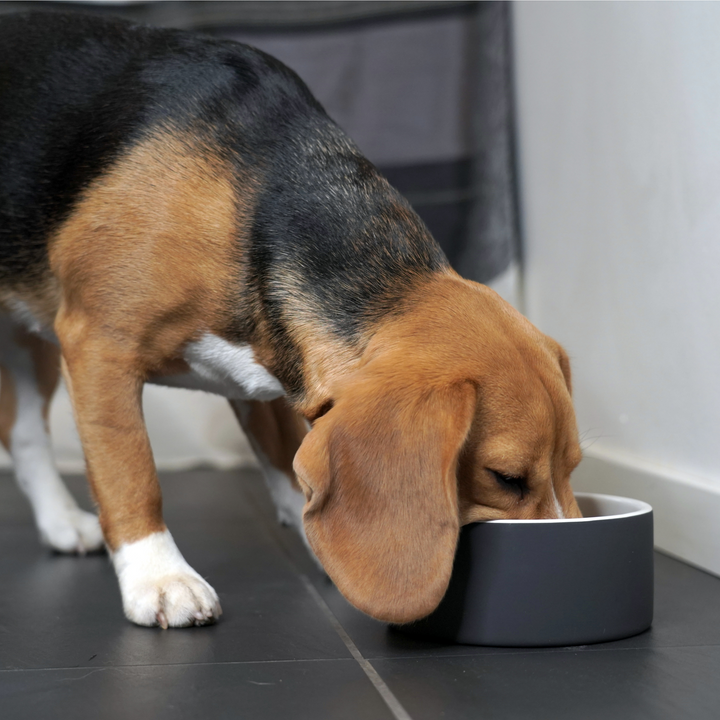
(275, 432)
(104, 378)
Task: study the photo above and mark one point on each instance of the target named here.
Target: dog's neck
(328, 359)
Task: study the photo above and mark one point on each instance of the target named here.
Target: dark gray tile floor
(290, 647)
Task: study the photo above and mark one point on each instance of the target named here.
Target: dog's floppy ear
(563, 360)
(379, 473)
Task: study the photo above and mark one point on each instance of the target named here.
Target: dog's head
(460, 411)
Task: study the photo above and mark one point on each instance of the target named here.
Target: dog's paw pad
(74, 531)
(178, 600)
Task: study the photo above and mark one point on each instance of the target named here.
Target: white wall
(186, 429)
(189, 428)
(619, 147)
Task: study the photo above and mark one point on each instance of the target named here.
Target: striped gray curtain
(424, 88)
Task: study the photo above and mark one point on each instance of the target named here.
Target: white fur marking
(61, 523)
(558, 507)
(231, 369)
(158, 586)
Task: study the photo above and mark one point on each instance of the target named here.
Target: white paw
(177, 600)
(71, 531)
(159, 588)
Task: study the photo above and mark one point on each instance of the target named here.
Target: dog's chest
(216, 365)
(226, 369)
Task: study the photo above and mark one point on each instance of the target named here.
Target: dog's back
(79, 92)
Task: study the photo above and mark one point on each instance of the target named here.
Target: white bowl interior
(594, 507)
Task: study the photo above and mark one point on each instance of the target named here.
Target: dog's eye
(509, 482)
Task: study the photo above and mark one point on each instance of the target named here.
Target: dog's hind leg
(29, 369)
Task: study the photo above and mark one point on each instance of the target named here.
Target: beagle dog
(179, 209)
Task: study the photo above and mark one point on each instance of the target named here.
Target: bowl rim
(642, 508)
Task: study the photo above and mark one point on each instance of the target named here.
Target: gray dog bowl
(533, 583)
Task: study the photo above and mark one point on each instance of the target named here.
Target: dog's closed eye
(517, 485)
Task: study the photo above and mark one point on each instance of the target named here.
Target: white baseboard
(686, 508)
(215, 460)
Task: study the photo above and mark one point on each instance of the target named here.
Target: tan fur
(457, 385)
(8, 406)
(278, 431)
(145, 264)
(149, 251)
(325, 357)
(378, 471)
(326, 360)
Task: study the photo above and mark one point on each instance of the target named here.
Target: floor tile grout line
(386, 694)
(316, 660)
(541, 651)
(171, 665)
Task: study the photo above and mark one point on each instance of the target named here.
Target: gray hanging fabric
(424, 88)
